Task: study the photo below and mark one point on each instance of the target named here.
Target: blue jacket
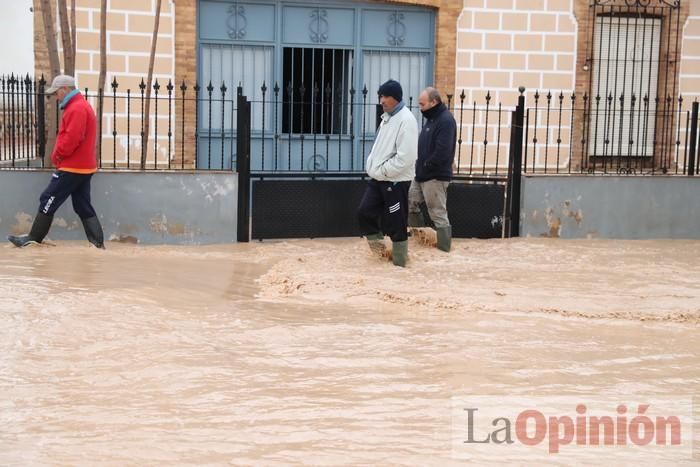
(436, 145)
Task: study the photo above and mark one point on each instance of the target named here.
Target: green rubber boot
(376, 244)
(444, 238)
(399, 253)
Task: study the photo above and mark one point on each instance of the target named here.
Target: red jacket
(75, 143)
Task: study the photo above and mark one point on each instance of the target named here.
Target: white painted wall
(17, 26)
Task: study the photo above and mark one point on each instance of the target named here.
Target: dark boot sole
(21, 242)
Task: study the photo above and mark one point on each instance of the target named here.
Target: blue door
(311, 71)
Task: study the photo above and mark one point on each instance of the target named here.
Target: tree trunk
(74, 33)
(151, 61)
(55, 64)
(102, 77)
(50, 31)
(68, 57)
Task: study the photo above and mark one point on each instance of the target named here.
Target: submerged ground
(313, 352)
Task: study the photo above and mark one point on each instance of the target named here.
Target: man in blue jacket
(436, 152)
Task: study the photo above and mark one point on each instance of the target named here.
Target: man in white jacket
(391, 166)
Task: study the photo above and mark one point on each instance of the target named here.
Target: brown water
(311, 352)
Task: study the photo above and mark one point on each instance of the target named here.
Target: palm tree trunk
(151, 61)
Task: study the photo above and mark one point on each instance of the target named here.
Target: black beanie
(391, 89)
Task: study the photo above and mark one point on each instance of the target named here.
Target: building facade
(625, 63)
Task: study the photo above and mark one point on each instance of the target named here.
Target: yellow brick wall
(502, 45)
(129, 33)
(689, 80)
(541, 44)
(481, 46)
(668, 87)
(690, 57)
(129, 28)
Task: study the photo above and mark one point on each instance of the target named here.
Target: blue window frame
(311, 71)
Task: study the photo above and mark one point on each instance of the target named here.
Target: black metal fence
(129, 141)
(609, 135)
(19, 134)
(166, 140)
(332, 131)
(484, 130)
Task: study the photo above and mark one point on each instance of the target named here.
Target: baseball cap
(61, 81)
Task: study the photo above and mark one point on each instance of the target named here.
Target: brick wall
(129, 32)
(544, 45)
(690, 55)
(447, 12)
(502, 45)
(129, 28)
(670, 74)
(689, 80)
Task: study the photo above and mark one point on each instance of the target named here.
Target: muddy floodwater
(312, 352)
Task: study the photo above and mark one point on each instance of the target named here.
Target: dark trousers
(63, 185)
(384, 208)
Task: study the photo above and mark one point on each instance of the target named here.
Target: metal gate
(317, 202)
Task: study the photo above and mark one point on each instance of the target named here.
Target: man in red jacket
(74, 159)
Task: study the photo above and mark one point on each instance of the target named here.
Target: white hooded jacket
(393, 155)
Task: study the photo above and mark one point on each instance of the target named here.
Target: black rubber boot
(93, 231)
(40, 227)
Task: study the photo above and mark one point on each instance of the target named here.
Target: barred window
(233, 65)
(316, 90)
(624, 85)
